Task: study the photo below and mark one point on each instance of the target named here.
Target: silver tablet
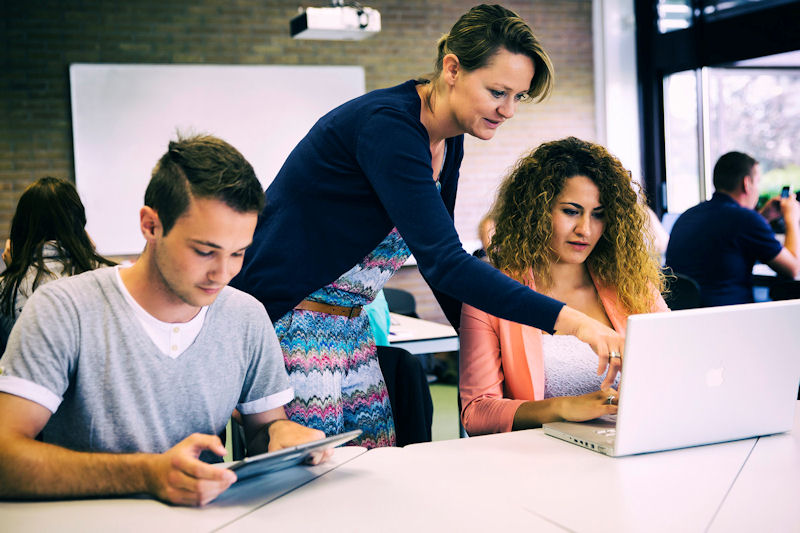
(272, 461)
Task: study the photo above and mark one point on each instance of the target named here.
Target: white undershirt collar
(171, 338)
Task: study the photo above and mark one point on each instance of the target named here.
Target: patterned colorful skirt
(332, 361)
(333, 367)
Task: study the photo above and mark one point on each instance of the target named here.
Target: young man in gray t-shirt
(128, 374)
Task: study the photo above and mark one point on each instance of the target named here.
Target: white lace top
(570, 367)
(54, 261)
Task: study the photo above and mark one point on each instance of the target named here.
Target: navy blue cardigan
(361, 170)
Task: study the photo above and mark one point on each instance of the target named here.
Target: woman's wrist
(534, 413)
(568, 320)
(559, 408)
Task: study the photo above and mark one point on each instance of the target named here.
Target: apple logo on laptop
(714, 377)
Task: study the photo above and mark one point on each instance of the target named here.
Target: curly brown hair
(624, 257)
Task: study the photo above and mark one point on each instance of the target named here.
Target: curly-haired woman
(569, 224)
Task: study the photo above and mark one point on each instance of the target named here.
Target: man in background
(717, 242)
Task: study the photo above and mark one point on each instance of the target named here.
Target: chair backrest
(785, 290)
(6, 324)
(238, 440)
(682, 292)
(401, 302)
(409, 394)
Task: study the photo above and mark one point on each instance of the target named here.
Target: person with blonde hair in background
(485, 232)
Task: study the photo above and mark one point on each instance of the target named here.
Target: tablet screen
(272, 461)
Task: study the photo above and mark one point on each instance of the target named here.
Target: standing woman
(374, 181)
(48, 241)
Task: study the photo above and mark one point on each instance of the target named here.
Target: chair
(409, 395)
(6, 324)
(238, 440)
(682, 292)
(238, 444)
(785, 290)
(401, 302)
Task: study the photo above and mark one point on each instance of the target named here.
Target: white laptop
(700, 376)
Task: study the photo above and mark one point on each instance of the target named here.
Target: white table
(765, 272)
(148, 515)
(766, 495)
(515, 481)
(421, 336)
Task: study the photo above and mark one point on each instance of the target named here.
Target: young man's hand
(179, 476)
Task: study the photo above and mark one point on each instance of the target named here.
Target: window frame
(704, 43)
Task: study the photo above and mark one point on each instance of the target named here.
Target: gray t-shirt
(78, 350)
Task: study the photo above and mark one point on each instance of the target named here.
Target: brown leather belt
(319, 307)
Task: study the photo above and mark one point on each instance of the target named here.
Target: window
(714, 9)
(674, 15)
(692, 60)
(682, 139)
(757, 111)
(714, 110)
(679, 14)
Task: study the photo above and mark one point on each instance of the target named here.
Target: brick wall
(40, 38)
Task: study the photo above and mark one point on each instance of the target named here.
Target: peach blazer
(501, 363)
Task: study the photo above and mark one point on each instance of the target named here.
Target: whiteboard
(123, 117)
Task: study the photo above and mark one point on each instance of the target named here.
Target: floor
(445, 411)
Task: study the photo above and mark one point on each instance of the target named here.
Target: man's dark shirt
(717, 243)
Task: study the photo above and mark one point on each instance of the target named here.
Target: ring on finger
(615, 355)
(610, 399)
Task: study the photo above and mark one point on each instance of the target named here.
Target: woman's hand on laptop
(606, 343)
(588, 406)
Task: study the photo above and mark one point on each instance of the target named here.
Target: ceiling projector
(341, 23)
